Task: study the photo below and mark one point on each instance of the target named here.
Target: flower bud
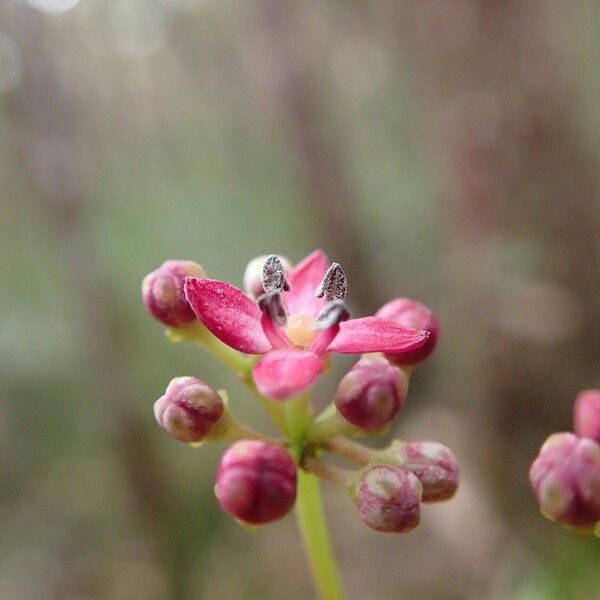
(432, 463)
(256, 482)
(566, 480)
(189, 409)
(162, 292)
(253, 274)
(587, 414)
(371, 393)
(413, 314)
(388, 499)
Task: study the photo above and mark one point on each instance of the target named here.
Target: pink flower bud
(253, 274)
(388, 499)
(432, 463)
(189, 409)
(256, 482)
(371, 393)
(566, 480)
(587, 414)
(162, 292)
(413, 314)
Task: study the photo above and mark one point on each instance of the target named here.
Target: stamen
(333, 313)
(273, 275)
(334, 285)
(272, 304)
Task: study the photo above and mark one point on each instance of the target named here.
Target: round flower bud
(256, 482)
(566, 480)
(432, 463)
(162, 292)
(189, 409)
(371, 393)
(413, 314)
(254, 271)
(587, 414)
(388, 499)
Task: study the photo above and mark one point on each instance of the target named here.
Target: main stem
(309, 507)
(315, 536)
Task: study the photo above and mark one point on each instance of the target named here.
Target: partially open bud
(371, 393)
(388, 499)
(256, 482)
(189, 409)
(566, 480)
(162, 292)
(413, 314)
(432, 463)
(587, 414)
(253, 275)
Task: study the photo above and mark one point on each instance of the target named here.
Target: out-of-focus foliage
(132, 131)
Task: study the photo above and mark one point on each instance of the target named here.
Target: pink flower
(410, 313)
(256, 482)
(189, 409)
(565, 478)
(162, 292)
(297, 322)
(371, 393)
(586, 414)
(389, 499)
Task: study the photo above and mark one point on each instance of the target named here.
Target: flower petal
(282, 374)
(371, 334)
(228, 313)
(304, 280)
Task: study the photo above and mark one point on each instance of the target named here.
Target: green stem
(274, 409)
(297, 420)
(354, 451)
(313, 528)
(332, 425)
(198, 333)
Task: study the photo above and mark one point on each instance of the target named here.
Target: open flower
(295, 324)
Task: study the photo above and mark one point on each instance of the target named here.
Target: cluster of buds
(565, 476)
(277, 335)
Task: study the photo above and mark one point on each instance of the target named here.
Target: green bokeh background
(132, 131)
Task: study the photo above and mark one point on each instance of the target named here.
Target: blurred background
(446, 151)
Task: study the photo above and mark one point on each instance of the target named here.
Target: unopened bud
(413, 314)
(162, 292)
(371, 393)
(432, 463)
(253, 275)
(256, 482)
(566, 480)
(189, 409)
(587, 414)
(388, 499)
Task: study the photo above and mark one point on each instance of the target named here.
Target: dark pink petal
(371, 334)
(323, 339)
(304, 280)
(282, 374)
(228, 313)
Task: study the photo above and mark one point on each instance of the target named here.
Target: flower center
(300, 330)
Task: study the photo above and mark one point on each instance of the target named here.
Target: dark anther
(331, 314)
(334, 285)
(272, 303)
(273, 275)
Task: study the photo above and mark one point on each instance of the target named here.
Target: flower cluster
(565, 476)
(277, 335)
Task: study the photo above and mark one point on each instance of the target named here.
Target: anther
(333, 313)
(271, 303)
(273, 275)
(334, 285)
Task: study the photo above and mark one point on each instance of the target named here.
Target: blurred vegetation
(448, 153)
